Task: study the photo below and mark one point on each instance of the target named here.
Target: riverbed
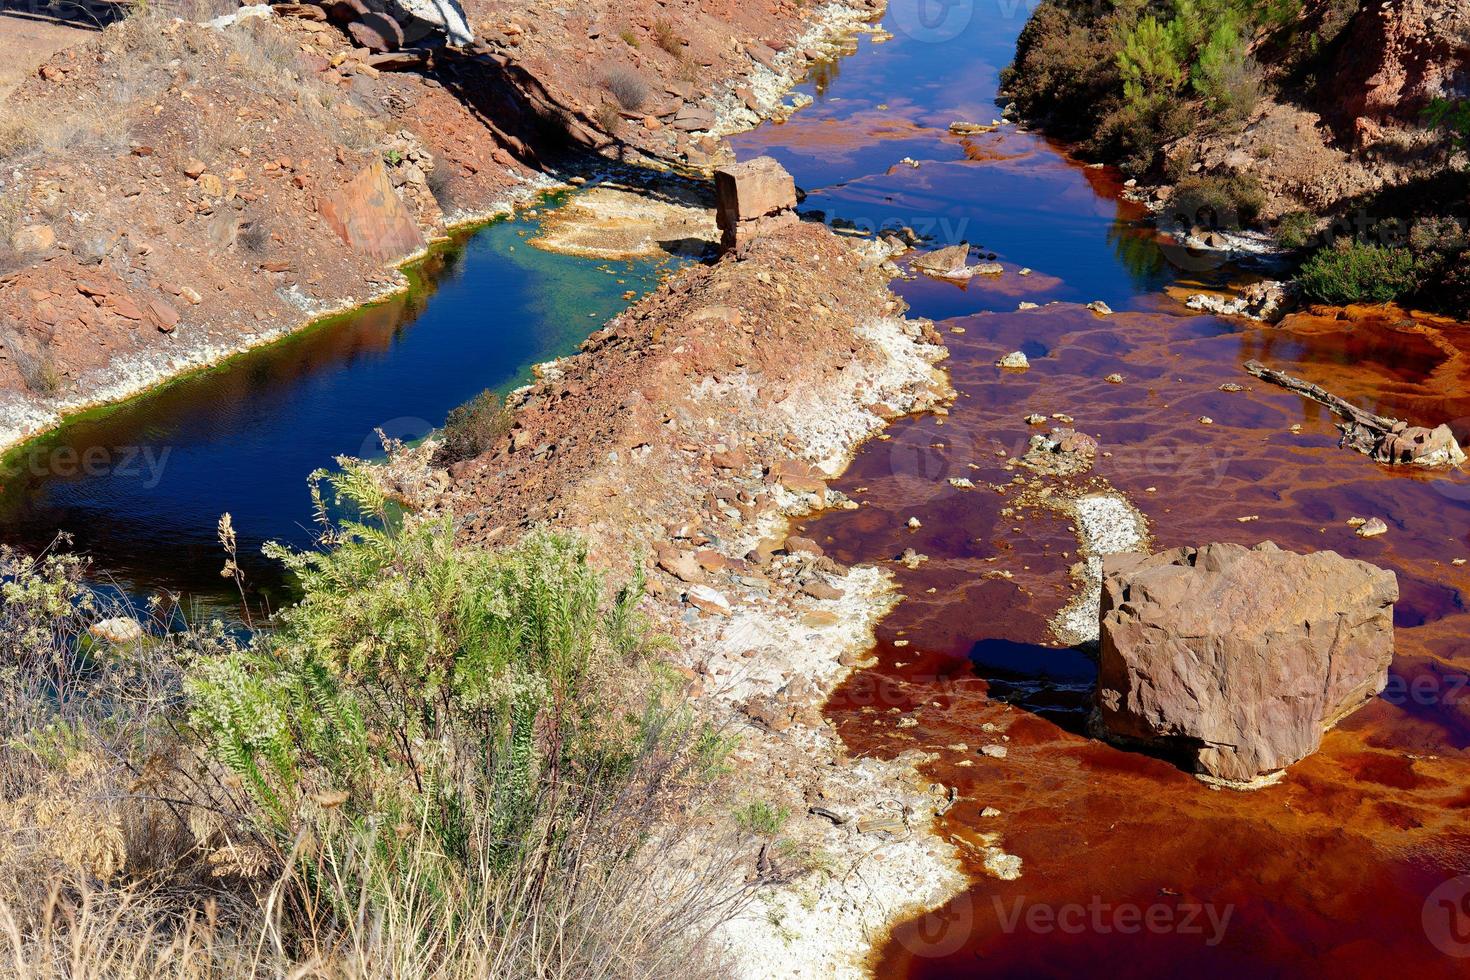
(140, 486)
(1130, 866)
(1129, 861)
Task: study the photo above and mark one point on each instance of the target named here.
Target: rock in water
(1240, 658)
(118, 630)
(752, 197)
(952, 262)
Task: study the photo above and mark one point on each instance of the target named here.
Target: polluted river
(1132, 861)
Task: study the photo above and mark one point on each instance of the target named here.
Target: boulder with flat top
(1236, 660)
(752, 198)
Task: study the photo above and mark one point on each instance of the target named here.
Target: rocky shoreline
(690, 437)
(107, 309)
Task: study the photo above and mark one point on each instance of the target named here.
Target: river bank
(692, 436)
(148, 252)
(1322, 134)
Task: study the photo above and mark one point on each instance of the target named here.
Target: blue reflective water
(141, 486)
(1008, 192)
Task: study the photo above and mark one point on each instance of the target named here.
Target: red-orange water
(1131, 867)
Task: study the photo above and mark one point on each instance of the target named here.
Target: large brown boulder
(751, 198)
(1236, 658)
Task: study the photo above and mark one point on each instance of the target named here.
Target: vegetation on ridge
(439, 761)
(1129, 78)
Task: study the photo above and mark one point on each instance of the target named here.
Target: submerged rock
(1267, 301)
(118, 630)
(951, 263)
(1062, 452)
(1239, 658)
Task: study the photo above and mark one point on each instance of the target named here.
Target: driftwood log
(1387, 440)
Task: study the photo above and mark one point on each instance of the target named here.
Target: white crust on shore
(25, 417)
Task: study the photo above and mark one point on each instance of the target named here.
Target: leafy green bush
(1217, 202)
(1351, 272)
(1441, 245)
(1133, 133)
(426, 679)
(1065, 71)
(454, 726)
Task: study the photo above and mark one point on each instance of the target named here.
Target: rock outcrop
(1395, 58)
(1238, 659)
(752, 198)
(370, 217)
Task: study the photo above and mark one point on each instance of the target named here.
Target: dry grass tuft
(627, 86)
(32, 359)
(667, 38)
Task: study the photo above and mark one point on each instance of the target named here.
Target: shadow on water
(1052, 683)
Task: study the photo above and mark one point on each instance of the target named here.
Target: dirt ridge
(691, 436)
(183, 222)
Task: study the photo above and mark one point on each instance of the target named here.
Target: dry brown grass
(667, 38)
(148, 54)
(627, 86)
(125, 853)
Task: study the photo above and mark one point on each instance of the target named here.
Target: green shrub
(471, 676)
(1441, 245)
(1297, 229)
(1065, 70)
(1217, 202)
(1134, 132)
(453, 724)
(761, 818)
(1226, 76)
(1453, 117)
(1149, 60)
(474, 428)
(1351, 272)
